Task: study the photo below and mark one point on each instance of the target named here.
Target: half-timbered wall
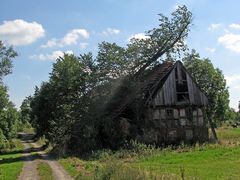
(172, 111)
(177, 109)
(179, 123)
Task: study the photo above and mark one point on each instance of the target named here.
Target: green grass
(11, 163)
(209, 161)
(44, 171)
(229, 134)
(70, 165)
(75, 166)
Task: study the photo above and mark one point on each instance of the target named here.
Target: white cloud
(214, 27)
(50, 43)
(233, 80)
(138, 36)
(110, 31)
(230, 41)
(211, 50)
(19, 32)
(234, 26)
(53, 56)
(71, 38)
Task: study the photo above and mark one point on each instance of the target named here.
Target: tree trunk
(212, 128)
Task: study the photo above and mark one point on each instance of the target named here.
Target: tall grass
(139, 161)
(44, 171)
(116, 170)
(229, 135)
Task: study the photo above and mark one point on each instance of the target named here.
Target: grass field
(10, 162)
(209, 161)
(44, 171)
(229, 135)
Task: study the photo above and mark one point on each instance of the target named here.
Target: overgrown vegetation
(206, 161)
(10, 161)
(44, 171)
(78, 108)
(77, 111)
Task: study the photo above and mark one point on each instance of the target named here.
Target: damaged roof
(152, 80)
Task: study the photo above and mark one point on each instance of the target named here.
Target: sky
(40, 31)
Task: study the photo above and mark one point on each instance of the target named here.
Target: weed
(44, 171)
(182, 172)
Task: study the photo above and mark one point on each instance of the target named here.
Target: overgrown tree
(165, 42)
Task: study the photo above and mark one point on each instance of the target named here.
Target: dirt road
(32, 154)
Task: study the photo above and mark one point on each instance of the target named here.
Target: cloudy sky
(40, 31)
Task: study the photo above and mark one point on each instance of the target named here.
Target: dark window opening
(182, 73)
(188, 113)
(181, 86)
(184, 77)
(169, 113)
(176, 74)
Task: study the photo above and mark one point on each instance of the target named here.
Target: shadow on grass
(30, 157)
(28, 150)
(18, 159)
(32, 152)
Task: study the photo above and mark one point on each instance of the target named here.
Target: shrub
(4, 144)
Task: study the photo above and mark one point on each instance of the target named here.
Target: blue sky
(41, 30)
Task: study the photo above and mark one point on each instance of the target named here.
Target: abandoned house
(172, 108)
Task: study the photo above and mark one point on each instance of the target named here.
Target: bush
(103, 154)
(4, 144)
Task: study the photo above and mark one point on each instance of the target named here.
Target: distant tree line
(73, 109)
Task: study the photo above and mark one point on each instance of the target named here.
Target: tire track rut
(29, 171)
